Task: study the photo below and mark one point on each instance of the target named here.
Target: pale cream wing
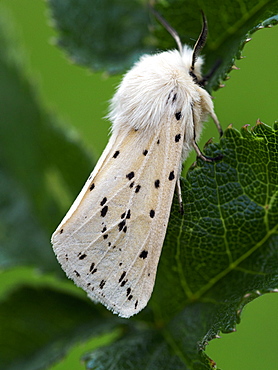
(110, 241)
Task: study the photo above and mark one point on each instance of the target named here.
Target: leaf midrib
(233, 265)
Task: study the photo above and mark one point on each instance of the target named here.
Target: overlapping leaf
(111, 35)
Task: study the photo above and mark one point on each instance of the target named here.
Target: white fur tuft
(140, 100)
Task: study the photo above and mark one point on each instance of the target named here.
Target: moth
(110, 241)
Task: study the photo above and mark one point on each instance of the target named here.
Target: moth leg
(195, 145)
(204, 157)
(217, 124)
(178, 191)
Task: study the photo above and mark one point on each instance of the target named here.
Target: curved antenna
(169, 28)
(200, 42)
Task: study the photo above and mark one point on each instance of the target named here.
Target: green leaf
(45, 324)
(36, 157)
(112, 34)
(108, 35)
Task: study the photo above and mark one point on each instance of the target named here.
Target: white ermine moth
(110, 241)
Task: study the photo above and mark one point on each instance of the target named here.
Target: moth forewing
(111, 243)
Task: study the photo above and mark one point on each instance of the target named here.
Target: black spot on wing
(115, 155)
(174, 98)
(104, 229)
(177, 138)
(61, 231)
(136, 304)
(124, 216)
(131, 185)
(76, 273)
(81, 256)
(130, 175)
(178, 116)
(92, 268)
(122, 276)
(157, 183)
(152, 213)
(128, 291)
(104, 211)
(104, 200)
(171, 176)
(123, 283)
(137, 188)
(143, 254)
(145, 152)
(105, 236)
(102, 283)
(121, 225)
(92, 187)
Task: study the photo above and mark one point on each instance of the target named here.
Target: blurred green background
(81, 100)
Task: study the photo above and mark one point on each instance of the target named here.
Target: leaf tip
(247, 40)
(210, 141)
(234, 67)
(245, 130)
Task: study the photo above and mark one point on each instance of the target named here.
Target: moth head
(195, 68)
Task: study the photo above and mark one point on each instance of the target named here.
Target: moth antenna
(169, 28)
(200, 42)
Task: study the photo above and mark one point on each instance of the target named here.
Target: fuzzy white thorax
(140, 101)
